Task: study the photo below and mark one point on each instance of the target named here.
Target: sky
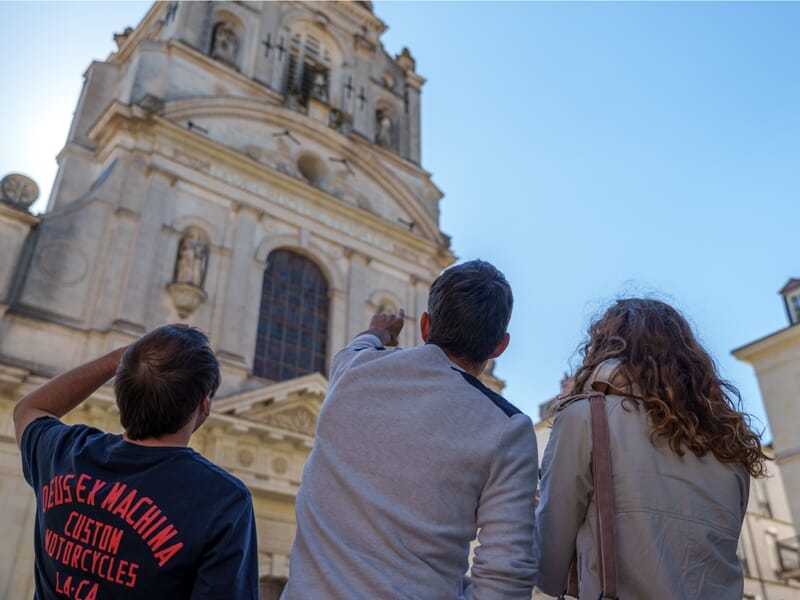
(589, 150)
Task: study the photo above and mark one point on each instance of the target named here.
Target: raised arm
(383, 331)
(503, 564)
(57, 397)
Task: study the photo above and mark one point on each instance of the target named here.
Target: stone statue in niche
(189, 276)
(383, 135)
(340, 121)
(225, 45)
(192, 261)
(319, 87)
(293, 99)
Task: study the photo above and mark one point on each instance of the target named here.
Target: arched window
(293, 320)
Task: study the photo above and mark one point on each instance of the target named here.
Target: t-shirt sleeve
(229, 567)
(39, 441)
(503, 565)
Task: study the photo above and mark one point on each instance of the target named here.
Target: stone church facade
(250, 168)
(253, 169)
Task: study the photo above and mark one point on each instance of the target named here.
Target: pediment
(292, 405)
(280, 139)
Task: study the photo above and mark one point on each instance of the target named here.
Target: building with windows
(776, 361)
(253, 169)
(767, 547)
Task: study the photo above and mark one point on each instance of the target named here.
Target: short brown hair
(686, 401)
(469, 307)
(161, 380)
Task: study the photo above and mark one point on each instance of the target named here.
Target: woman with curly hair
(682, 454)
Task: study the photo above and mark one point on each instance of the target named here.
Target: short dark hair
(161, 380)
(469, 307)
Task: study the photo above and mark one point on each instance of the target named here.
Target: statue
(383, 137)
(319, 87)
(225, 45)
(293, 98)
(190, 266)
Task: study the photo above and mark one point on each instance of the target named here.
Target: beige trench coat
(677, 519)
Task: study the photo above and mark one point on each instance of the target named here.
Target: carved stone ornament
(152, 104)
(186, 297)
(192, 259)
(225, 44)
(297, 419)
(245, 457)
(120, 38)
(383, 135)
(405, 61)
(18, 190)
(280, 465)
(363, 45)
(319, 87)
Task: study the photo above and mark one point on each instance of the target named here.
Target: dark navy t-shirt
(122, 520)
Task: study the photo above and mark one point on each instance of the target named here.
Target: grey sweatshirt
(412, 456)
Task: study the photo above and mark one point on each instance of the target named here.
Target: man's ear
(425, 326)
(501, 347)
(205, 406)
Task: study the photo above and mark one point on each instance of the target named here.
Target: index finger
(401, 314)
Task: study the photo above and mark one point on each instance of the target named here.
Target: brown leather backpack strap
(604, 496)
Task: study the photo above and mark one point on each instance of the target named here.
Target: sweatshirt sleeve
(503, 564)
(565, 492)
(345, 356)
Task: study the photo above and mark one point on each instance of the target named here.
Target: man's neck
(177, 439)
(474, 369)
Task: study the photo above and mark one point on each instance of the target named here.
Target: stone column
(356, 295)
(15, 226)
(241, 289)
(338, 333)
(143, 277)
(363, 106)
(413, 86)
(193, 24)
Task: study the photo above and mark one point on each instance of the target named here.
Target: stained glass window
(293, 321)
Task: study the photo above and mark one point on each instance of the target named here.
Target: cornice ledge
(749, 352)
(313, 383)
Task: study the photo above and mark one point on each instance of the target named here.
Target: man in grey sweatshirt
(414, 455)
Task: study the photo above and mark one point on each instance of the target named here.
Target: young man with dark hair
(414, 455)
(137, 515)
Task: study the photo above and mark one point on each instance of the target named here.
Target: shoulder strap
(604, 496)
(604, 501)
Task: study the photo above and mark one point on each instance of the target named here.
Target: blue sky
(589, 150)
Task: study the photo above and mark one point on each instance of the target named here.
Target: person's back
(677, 518)
(412, 455)
(139, 514)
(677, 515)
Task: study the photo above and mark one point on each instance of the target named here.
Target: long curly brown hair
(686, 401)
